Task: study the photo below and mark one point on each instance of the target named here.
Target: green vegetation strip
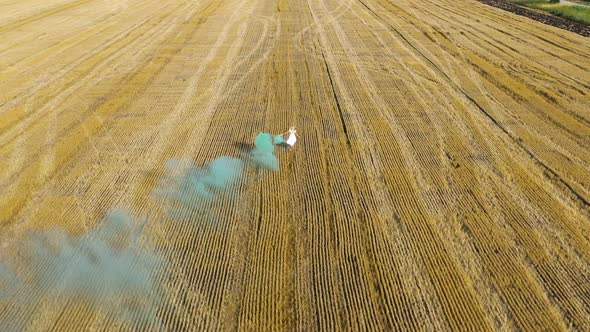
(575, 13)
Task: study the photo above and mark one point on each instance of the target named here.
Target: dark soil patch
(555, 21)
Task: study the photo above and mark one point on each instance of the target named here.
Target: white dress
(292, 138)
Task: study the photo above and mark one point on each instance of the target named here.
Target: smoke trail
(262, 155)
(106, 251)
(201, 184)
(8, 281)
(279, 140)
(191, 190)
(106, 268)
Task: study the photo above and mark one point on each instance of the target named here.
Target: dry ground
(441, 183)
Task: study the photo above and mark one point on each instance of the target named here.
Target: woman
(291, 140)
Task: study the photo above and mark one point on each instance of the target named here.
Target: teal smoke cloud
(105, 267)
(263, 153)
(196, 184)
(108, 267)
(191, 189)
(279, 139)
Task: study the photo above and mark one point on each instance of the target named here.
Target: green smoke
(191, 189)
(105, 267)
(279, 139)
(262, 155)
(201, 184)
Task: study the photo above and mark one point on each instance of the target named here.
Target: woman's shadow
(244, 147)
(248, 147)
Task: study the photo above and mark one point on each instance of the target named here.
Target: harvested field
(441, 181)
